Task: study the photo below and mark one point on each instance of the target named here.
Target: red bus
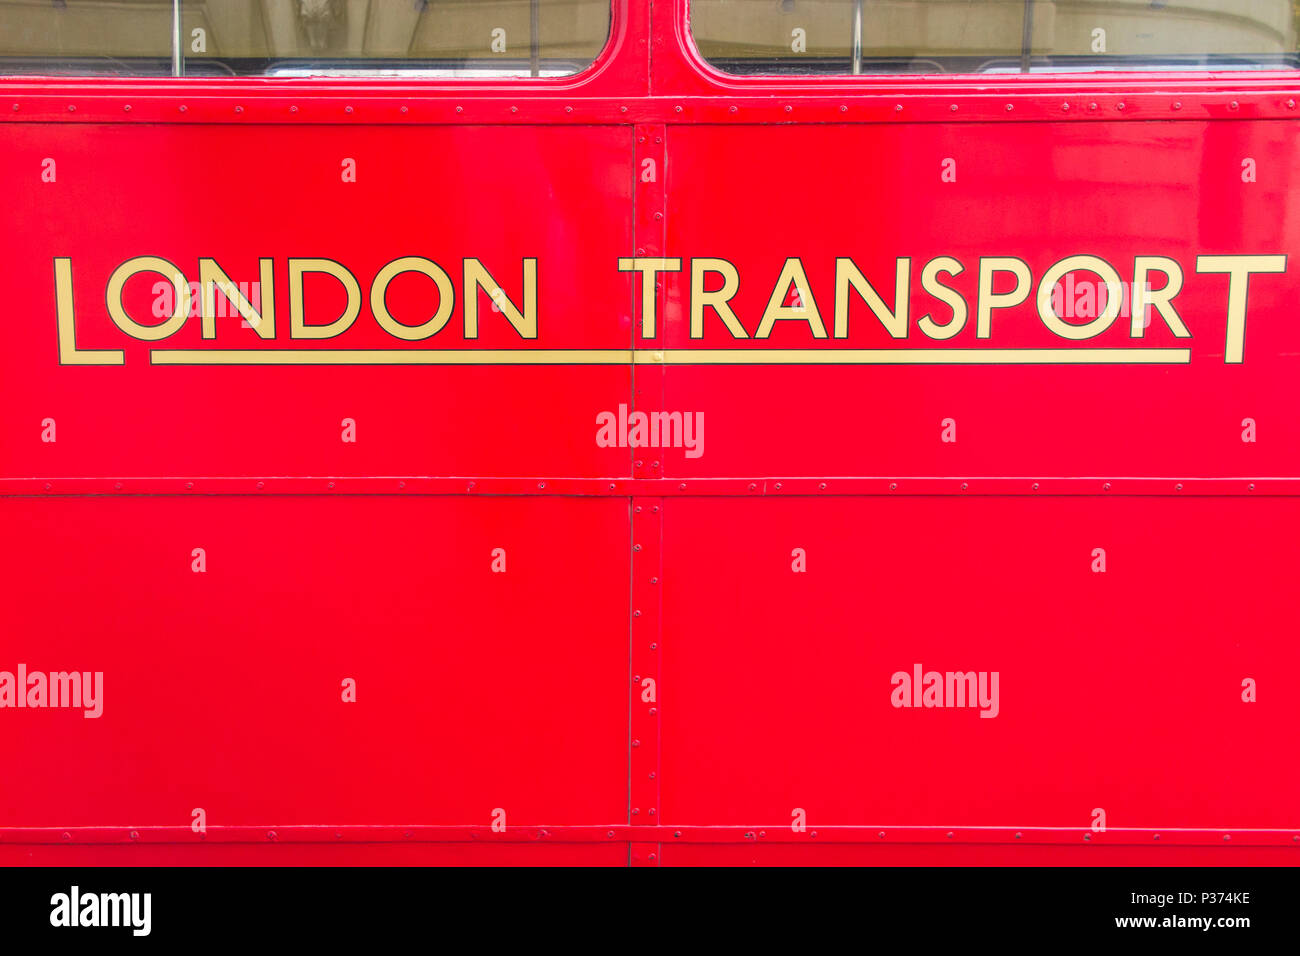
(563, 431)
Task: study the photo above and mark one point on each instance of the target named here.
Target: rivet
(636, 547)
(135, 834)
(1177, 105)
(1019, 835)
(67, 835)
(789, 109)
(677, 108)
(71, 108)
(653, 711)
(813, 834)
(541, 484)
(471, 486)
(822, 486)
(117, 486)
(752, 486)
(611, 486)
(778, 486)
(270, 834)
(953, 108)
(1106, 486)
(1178, 487)
(654, 580)
(183, 107)
(636, 613)
(844, 109)
(261, 485)
(330, 485)
(347, 109)
(189, 484)
(1252, 486)
(15, 107)
(1065, 107)
(678, 834)
(637, 509)
(126, 107)
(1121, 107)
(654, 646)
(1087, 836)
(409, 834)
(654, 464)
(1232, 106)
(652, 811)
(239, 109)
(1290, 104)
(893, 486)
(401, 484)
(1155, 836)
(949, 834)
(636, 743)
(641, 139)
(47, 486)
(681, 487)
(1010, 107)
(652, 856)
(881, 834)
(568, 109)
(1035, 486)
(659, 139)
(403, 109)
(1227, 836)
(1092, 106)
(898, 107)
(658, 216)
(514, 109)
(610, 834)
(733, 109)
(636, 678)
(293, 109)
(622, 109)
(963, 486)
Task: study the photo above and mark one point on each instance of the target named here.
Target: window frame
(432, 75)
(1146, 77)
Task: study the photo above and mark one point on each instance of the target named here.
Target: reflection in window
(303, 37)
(965, 36)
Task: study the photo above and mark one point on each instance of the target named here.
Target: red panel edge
(652, 487)
(649, 833)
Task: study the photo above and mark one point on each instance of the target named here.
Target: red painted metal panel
(841, 854)
(1034, 191)
(235, 196)
(223, 689)
(1120, 690)
(318, 854)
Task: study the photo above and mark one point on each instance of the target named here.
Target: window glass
(303, 37)
(964, 36)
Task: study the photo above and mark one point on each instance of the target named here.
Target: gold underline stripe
(928, 356)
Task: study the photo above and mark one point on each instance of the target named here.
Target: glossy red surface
(650, 680)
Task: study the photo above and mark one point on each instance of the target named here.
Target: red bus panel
(650, 466)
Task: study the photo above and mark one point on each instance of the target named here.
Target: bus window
(983, 36)
(437, 38)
